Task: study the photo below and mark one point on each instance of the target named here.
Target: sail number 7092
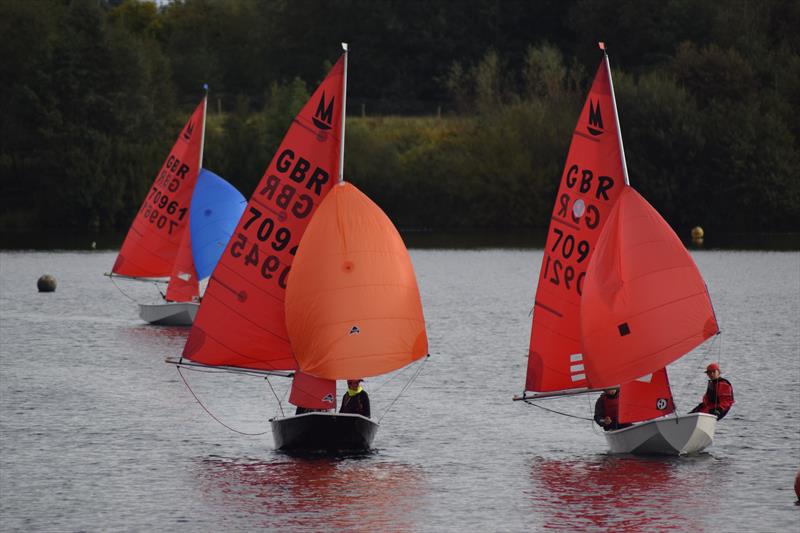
(557, 270)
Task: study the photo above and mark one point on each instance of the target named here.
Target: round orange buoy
(46, 283)
(697, 233)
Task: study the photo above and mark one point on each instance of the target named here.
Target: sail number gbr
(266, 231)
(557, 268)
(159, 210)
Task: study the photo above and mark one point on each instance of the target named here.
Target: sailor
(606, 410)
(355, 399)
(718, 398)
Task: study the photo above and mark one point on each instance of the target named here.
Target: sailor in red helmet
(718, 398)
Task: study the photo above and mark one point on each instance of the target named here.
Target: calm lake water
(98, 434)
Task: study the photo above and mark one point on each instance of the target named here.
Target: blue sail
(215, 211)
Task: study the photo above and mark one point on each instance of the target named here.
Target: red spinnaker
(644, 302)
(645, 398)
(153, 240)
(591, 182)
(313, 393)
(241, 322)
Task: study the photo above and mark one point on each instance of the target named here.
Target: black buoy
(46, 283)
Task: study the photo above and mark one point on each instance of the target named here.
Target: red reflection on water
(314, 494)
(613, 493)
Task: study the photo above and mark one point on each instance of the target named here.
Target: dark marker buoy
(46, 283)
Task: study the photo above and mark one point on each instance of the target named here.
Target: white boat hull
(669, 435)
(169, 313)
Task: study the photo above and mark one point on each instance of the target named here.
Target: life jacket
(712, 389)
(611, 407)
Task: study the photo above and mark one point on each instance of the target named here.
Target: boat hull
(324, 432)
(670, 435)
(169, 313)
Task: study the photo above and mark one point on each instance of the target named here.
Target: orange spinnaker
(644, 302)
(590, 184)
(241, 322)
(352, 305)
(152, 242)
(645, 398)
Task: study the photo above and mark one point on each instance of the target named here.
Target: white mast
(203, 131)
(344, 108)
(616, 115)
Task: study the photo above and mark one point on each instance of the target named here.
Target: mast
(203, 131)
(602, 46)
(344, 108)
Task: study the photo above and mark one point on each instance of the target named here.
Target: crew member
(356, 399)
(606, 410)
(718, 398)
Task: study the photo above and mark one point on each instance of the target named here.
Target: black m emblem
(595, 126)
(187, 133)
(324, 115)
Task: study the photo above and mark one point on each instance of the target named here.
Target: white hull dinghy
(619, 297)
(169, 313)
(669, 435)
(182, 228)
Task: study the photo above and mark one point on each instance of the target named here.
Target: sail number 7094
(267, 230)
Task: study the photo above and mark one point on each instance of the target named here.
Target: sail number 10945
(557, 270)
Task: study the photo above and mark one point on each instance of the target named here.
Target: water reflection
(355, 493)
(620, 493)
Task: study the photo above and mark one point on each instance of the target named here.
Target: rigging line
(121, 291)
(210, 413)
(414, 377)
(529, 402)
(280, 404)
(390, 379)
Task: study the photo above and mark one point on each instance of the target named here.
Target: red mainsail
(590, 184)
(645, 398)
(644, 302)
(241, 322)
(153, 240)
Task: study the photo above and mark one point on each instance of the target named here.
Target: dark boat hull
(324, 432)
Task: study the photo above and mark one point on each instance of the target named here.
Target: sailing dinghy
(352, 252)
(619, 297)
(352, 309)
(181, 228)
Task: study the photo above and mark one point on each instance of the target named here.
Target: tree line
(469, 106)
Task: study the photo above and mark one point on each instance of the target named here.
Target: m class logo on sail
(187, 133)
(323, 118)
(595, 126)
